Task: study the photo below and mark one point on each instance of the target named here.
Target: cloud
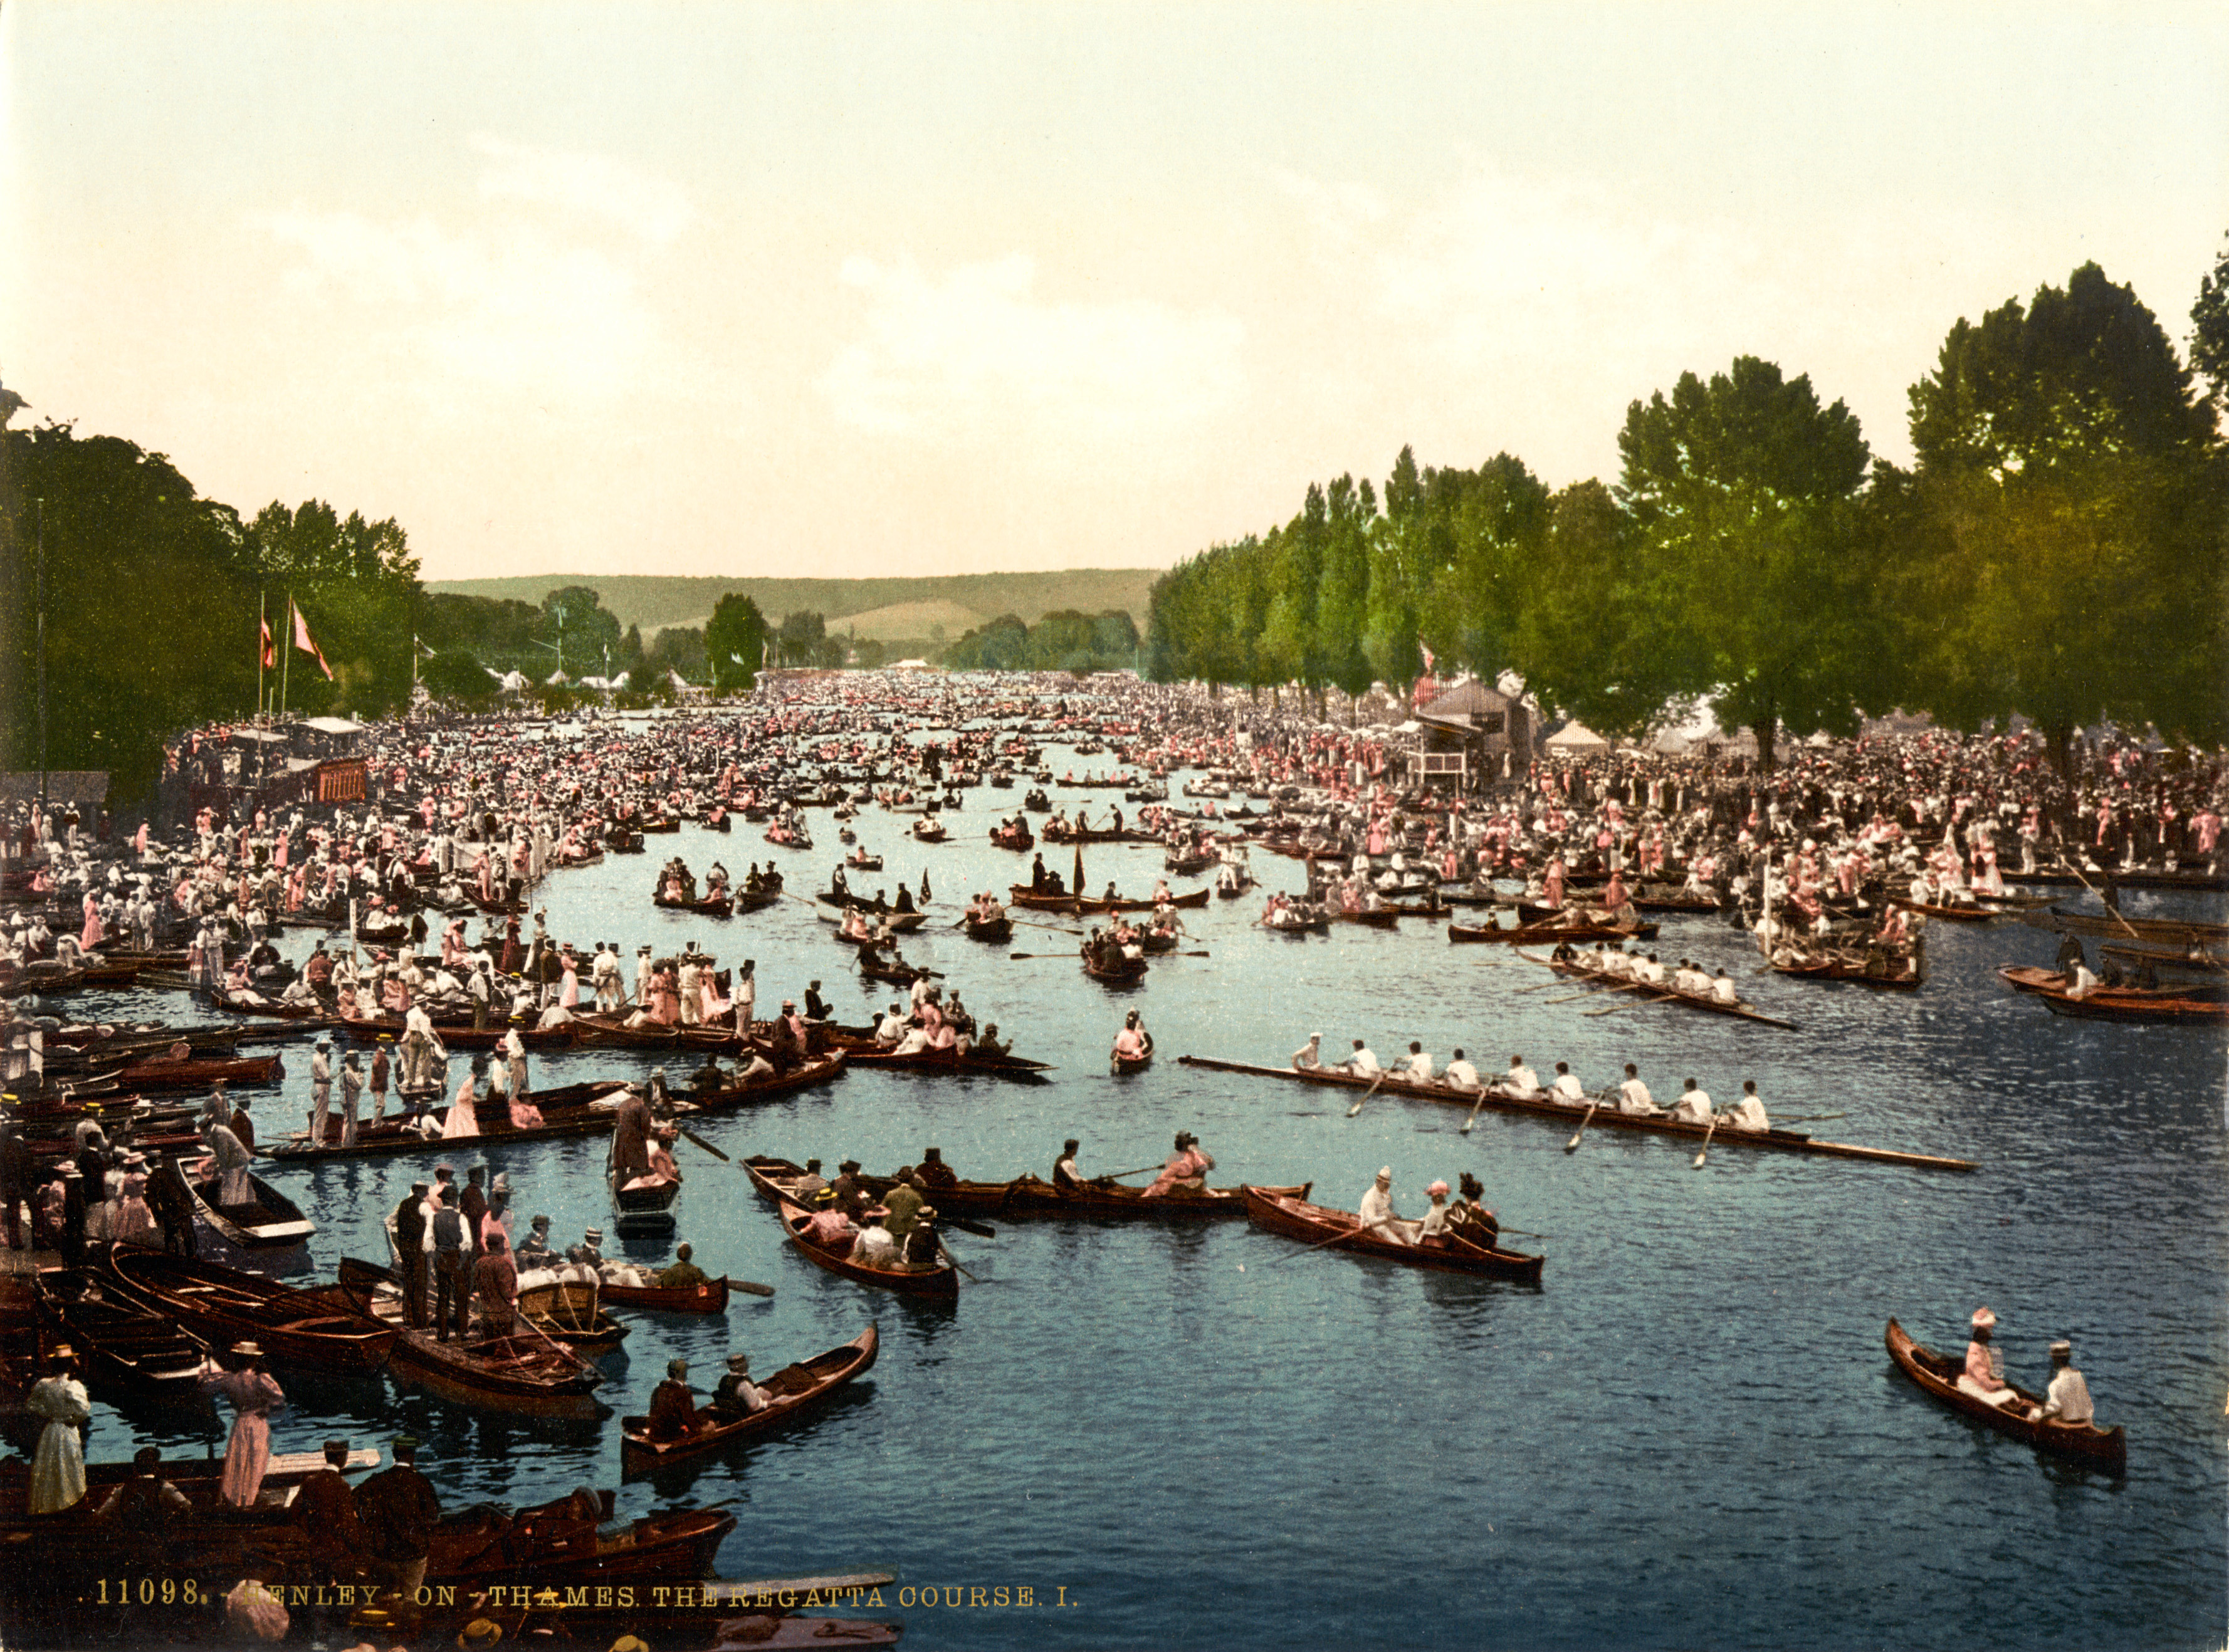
(978, 346)
(653, 208)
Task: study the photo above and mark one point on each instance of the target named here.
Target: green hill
(956, 602)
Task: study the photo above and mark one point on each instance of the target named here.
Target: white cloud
(978, 346)
(651, 208)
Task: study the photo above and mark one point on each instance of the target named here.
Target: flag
(1426, 653)
(302, 640)
(424, 653)
(270, 654)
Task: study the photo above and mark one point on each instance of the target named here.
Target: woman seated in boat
(1469, 1218)
(1983, 1378)
(874, 1245)
(829, 1228)
(524, 1115)
(1184, 1175)
(1134, 1042)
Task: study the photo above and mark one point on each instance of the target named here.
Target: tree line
(1064, 640)
(2058, 550)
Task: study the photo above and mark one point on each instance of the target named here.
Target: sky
(757, 289)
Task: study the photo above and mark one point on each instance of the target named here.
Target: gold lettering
(875, 1598)
(812, 1598)
(627, 1594)
(576, 1595)
(788, 1599)
(659, 1595)
(603, 1594)
(1000, 1597)
(445, 1595)
(1024, 1597)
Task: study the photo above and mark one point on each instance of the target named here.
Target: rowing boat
(1029, 1196)
(1122, 971)
(720, 905)
(563, 1305)
(312, 1330)
(1016, 1068)
(710, 1298)
(523, 1374)
(1340, 1230)
(1021, 895)
(1545, 1105)
(269, 1221)
(2174, 931)
(1938, 1373)
(128, 1350)
(1659, 995)
(1460, 934)
(793, 1393)
(821, 1070)
(2199, 1004)
(942, 1280)
(575, 1110)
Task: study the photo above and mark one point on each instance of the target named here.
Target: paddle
(1040, 956)
(1706, 1143)
(752, 1286)
(1474, 1106)
(2117, 918)
(1353, 1232)
(1365, 1095)
(1543, 987)
(1572, 1146)
(693, 1136)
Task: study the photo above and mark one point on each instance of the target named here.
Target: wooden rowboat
(198, 1074)
(710, 1298)
(301, 1330)
(1296, 1219)
(1029, 1196)
(942, 1280)
(1938, 1373)
(1606, 1117)
(1549, 932)
(1016, 1068)
(999, 929)
(126, 1349)
(270, 1221)
(642, 1205)
(565, 1307)
(2195, 1005)
(793, 1393)
(1124, 971)
(523, 1374)
(1021, 895)
(709, 907)
(1121, 1066)
(567, 1112)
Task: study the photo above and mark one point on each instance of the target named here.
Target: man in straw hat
(253, 1395)
(2068, 1398)
(736, 1394)
(1375, 1210)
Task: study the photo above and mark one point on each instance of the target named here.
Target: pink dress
(463, 1120)
(254, 1397)
(90, 938)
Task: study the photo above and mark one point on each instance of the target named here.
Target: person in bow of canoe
(1184, 1175)
(1134, 1042)
(1983, 1378)
(1309, 1057)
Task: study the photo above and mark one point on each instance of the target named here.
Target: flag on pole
(1426, 653)
(270, 656)
(424, 653)
(302, 639)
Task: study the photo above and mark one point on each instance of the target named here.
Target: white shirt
(1633, 1097)
(1522, 1079)
(1568, 1088)
(1722, 990)
(2068, 1398)
(1419, 1066)
(1694, 1107)
(1309, 1055)
(874, 1248)
(1749, 1114)
(1461, 1075)
(1363, 1063)
(1377, 1209)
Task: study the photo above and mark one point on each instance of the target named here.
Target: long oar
(1365, 1095)
(2086, 884)
(1040, 956)
(1706, 1143)
(1474, 1106)
(692, 1136)
(1572, 1146)
(1112, 1176)
(1352, 1232)
(1543, 987)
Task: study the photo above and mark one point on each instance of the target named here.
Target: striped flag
(270, 657)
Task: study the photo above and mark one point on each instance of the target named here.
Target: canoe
(1296, 1219)
(1023, 896)
(1018, 1068)
(793, 1393)
(819, 1069)
(594, 1029)
(901, 923)
(299, 1330)
(1605, 1117)
(271, 1222)
(192, 1074)
(461, 1035)
(1659, 995)
(1119, 1066)
(2191, 1005)
(1029, 1196)
(2171, 932)
(710, 1298)
(943, 1280)
(756, 900)
(521, 1374)
(1938, 1373)
(1839, 968)
(1460, 933)
(125, 1350)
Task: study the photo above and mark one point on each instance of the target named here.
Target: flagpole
(286, 654)
(262, 631)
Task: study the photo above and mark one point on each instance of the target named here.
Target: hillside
(893, 608)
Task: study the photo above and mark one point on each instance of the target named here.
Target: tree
(587, 636)
(679, 648)
(734, 643)
(1343, 596)
(1745, 490)
(2209, 335)
(1403, 549)
(453, 674)
(2065, 555)
(1489, 528)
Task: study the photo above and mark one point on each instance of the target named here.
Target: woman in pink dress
(464, 1118)
(89, 939)
(665, 997)
(253, 1396)
(134, 1223)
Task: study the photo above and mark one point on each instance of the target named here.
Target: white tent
(1577, 737)
(513, 681)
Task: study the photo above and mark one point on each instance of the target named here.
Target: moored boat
(1937, 1374)
(793, 1393)
(2193, 1005)
(267, 1221)
(521, 1373)
(311, 1330)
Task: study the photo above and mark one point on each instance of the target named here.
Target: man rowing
(1633, 1095)
(1461, 1075)
(1693, 1106)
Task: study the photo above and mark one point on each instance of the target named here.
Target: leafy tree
(2209, 335)
(868, 654)
(734, 643)
(1343, 596)
(453, 674)
(1488, 527)
(150, 601)
(1288, 650)
(1745, 490)
(2063, 547)
(585, 634)
(1403, 550)
(355, 583)
(679, 648)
